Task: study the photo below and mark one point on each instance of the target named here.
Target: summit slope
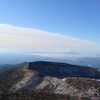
(53, 77)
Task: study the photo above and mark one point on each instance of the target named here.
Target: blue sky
(56, 26)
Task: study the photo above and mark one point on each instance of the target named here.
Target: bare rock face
(59, 78)
(70, 85)
(55, 85)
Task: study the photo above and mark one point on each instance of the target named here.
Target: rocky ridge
(52, 77)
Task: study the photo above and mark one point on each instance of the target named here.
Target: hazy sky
(50, 27)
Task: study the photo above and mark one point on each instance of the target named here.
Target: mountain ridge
(61, 70)
(52, 77)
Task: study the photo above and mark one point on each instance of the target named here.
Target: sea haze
(6, 58)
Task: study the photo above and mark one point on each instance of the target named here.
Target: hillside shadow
(62, 70)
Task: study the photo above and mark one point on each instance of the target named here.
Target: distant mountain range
(53, 77)
(5, 67)
(16, 59)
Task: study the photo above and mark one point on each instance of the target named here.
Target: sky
(55, 28)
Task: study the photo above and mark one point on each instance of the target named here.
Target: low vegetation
(31, 95)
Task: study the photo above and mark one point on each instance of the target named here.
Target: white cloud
(38, 40)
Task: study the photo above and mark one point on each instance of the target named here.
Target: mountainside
(53, 77)
(61, 70)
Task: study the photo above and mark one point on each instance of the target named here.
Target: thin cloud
(38, 40)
